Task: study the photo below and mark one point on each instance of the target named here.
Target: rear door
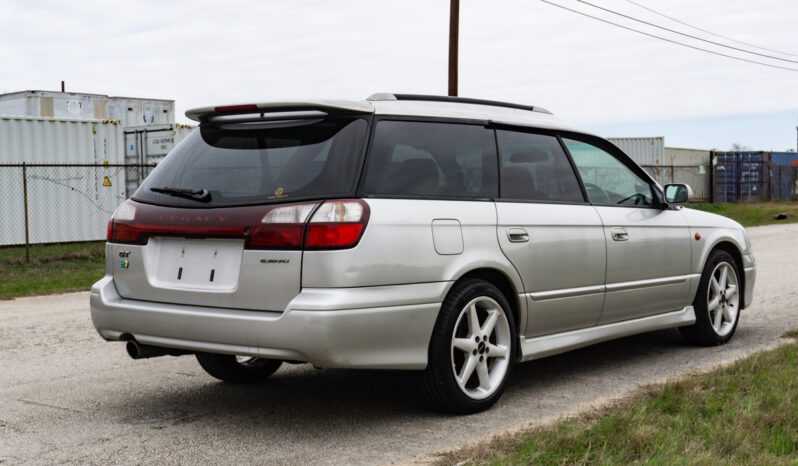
(648, 247)
(550, 233)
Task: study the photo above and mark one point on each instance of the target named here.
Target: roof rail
(461, 100)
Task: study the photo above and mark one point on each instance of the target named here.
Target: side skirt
(548, 345)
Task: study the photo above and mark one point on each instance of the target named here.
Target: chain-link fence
(61, 203)
(784, 182)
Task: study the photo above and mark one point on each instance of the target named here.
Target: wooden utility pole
(454, 26)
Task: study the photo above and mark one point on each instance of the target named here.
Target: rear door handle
(619, 234)
(517, 235)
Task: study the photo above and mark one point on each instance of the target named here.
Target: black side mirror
(677, 193)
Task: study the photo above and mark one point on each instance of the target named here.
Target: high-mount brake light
(337, 224)
(334, 224)
(236, 108)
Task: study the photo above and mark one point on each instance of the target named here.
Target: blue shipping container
(784, 158)
(741, 176)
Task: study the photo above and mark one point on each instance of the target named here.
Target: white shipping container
(644, 151)
(51, 104)
(132, 111)
(148, 145)
(48, 140)
(690, 166)
(65, 203)
(686, 157)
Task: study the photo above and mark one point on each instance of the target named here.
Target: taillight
(120, 227)
(334, 224)
(337, 224)
(282, 227)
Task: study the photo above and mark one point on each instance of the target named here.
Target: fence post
(794, 184)
(739, 194)
(770, 177)
(711, 177)
(780, 183)
(25, 196)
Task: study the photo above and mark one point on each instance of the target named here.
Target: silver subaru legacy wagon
(446, 235)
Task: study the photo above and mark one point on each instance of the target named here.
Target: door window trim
(620, 156)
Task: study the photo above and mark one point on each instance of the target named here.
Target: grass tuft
(751, 214)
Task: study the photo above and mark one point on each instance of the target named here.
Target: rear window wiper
(199, 195)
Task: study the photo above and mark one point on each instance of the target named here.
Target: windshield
(259, 162)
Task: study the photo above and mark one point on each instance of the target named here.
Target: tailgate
(215, 272)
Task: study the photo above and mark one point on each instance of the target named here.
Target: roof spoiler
(326, 106)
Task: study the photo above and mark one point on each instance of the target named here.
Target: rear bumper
(384, 327)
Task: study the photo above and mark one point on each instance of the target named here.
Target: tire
(717, 302)
(467, 370)
(237, 369)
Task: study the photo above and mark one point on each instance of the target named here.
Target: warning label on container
(106, 181)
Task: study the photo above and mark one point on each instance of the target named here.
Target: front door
(648, 246)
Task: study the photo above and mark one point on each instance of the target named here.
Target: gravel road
(67, 396)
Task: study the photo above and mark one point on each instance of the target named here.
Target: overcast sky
(594, 75)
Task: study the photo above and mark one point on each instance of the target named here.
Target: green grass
(52, 268)
(751, 214)
(746, 413)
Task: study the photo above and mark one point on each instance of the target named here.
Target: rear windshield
(259, 162)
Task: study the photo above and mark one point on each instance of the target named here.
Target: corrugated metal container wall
(64, 203)
(644, 151)
(55, 105)
(741, 176)
(686, 157)
(150, 144)
(47, 140)
(689, 166)
(785, 158)
(141, 112)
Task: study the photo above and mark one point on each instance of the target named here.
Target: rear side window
(534, 167)
(437, 160)
(261, 162)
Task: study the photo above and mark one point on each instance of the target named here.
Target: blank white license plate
(200, 264)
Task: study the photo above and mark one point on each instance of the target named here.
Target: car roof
(406, 105)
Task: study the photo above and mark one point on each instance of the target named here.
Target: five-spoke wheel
(472, 348)
(480, 346)
(723, 299)
(717, 303)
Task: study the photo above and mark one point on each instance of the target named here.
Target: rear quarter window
(432, 160)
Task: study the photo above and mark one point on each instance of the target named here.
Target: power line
(685, 34)
(708, 32)
(669, 40)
